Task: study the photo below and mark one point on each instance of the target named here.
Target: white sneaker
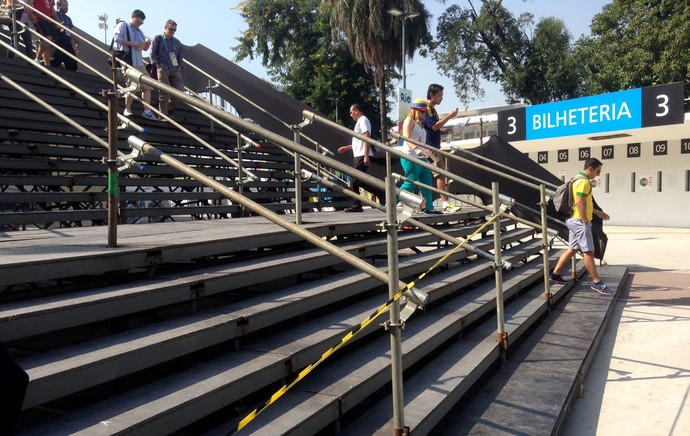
(127, 113)
(149, 115)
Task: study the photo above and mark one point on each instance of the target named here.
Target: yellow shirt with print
(582, 187)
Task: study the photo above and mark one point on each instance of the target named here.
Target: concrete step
(529, 394)
(341, 387)
(200, 391)
(68, 370)
(37, 316)
(533, 392)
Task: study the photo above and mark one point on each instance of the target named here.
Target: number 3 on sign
(663, 106)
(512, 125)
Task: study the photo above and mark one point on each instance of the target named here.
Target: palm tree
(374, 37)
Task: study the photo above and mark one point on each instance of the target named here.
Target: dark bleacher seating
(52, 175)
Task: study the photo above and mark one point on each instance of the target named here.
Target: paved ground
(639, 382)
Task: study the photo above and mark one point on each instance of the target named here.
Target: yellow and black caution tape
(347, 338)
(457, 247)
(354, 331)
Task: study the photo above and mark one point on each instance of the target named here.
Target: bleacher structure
(57, 174)
(205, 309)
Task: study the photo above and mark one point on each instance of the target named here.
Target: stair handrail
(469, 162)
(517, 180)
(549, 185)
(125, 120)
(72, 87)
(489, 209)
(443, 172)
(130, 124)
(255, 105)
(314, 117)
(353, 260)
(158, 113)
(367, 179)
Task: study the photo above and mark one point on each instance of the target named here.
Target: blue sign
(600, 113)
(624, 110)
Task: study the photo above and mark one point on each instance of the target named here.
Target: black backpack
(563, 200)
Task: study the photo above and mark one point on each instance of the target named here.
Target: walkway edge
(534, 391)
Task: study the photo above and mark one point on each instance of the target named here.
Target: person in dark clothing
(13, 383)
(166, 55)
(65, 39)
(432, 125)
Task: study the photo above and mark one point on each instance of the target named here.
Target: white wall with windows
(641, 184)
(645, 180)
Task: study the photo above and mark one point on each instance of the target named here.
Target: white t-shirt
(362, 126)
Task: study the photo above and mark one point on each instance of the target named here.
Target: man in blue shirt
(432, 124)
(65, 39)
(166, 55)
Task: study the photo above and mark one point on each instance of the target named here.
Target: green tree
(374, 37)
(637, 43)
(551, 63)
(294, 41)
(491, 44)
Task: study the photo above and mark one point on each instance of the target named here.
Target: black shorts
(45, 28)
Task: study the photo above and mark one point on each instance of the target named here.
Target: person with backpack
(580, 227)
(128, 37)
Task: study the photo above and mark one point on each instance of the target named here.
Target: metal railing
(317, 159)
(394, 151)
(129, 124)
(313, 159)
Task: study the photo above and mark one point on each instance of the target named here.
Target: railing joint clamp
(387, 325)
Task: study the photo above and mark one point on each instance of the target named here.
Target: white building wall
(663, 203)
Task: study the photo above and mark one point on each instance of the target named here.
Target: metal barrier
(316, 159)
(445, 173)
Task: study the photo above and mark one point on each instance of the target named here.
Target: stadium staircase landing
(186, 327)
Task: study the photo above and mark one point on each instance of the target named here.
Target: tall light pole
(104, 25)
(403, 16)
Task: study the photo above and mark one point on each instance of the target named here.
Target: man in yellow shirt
(580, 228)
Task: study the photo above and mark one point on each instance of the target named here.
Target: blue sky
(217, 25)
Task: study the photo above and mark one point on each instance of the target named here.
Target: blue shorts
(580, 237)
